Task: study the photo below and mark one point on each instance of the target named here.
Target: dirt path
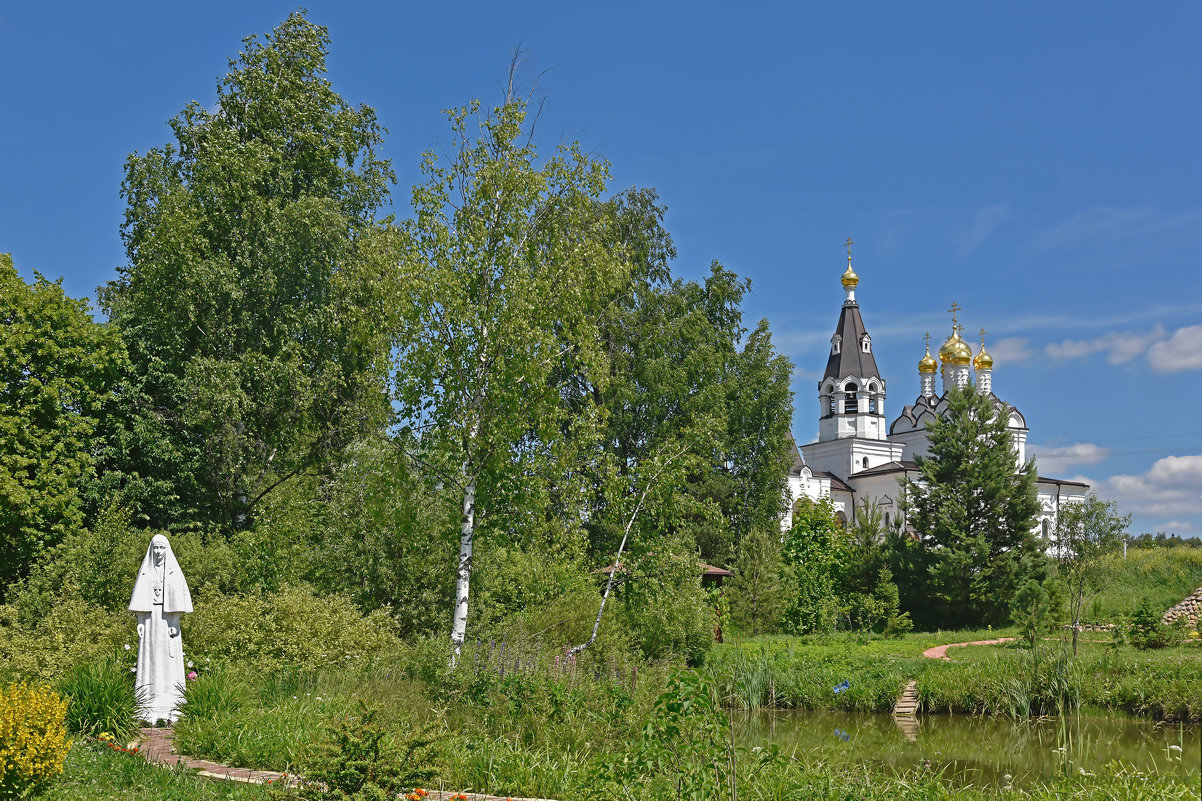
(940, 651)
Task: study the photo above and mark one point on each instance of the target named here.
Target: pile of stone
(1190, 609)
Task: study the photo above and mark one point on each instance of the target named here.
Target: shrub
(71, 632)
(33, 739)
(1147, 631)
(294, 630)
(102, 698)
(1031, 610)
(361, 758)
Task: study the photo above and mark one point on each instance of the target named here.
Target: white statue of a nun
(160, 597)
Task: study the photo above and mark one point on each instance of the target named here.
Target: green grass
(96, 773)
(1163, 576)
(801, 673)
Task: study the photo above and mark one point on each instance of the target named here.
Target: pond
(981, 751)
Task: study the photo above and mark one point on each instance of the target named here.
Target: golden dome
(955, 351)
(983, 360)
(849, 279)
(927, 364)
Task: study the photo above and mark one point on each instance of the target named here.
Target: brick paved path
(155, 745)
(940, 651)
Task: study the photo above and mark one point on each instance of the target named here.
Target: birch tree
(508, 268)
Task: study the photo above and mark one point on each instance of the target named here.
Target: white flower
(1174, 748)
(294, 698)
(127, 646)
(189, 663)
(133, 670)
(319, 698)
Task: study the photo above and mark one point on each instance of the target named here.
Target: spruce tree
(974, 513)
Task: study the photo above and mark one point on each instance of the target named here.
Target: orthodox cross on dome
(848, 245)
(927, 340)
(955, 308)
(983, 332)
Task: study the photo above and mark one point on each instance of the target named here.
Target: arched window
(850, 404)
(1044, 527)
(830, 404)
(872, 407)
(886, 520)
(842, 518)
(836, 341)
(866, 344)
(864, 463)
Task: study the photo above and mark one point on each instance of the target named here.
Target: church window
(865, 344)
(886, 520)
(865, 462)
(872, 404)
(1043, 526)
(835, 342)
(830, 404)
(842, 518)
(850, 404)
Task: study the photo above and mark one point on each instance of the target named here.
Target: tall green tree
(974, 509)
(260, 284)
(508, 269)
(816, 550)
(1085, 533)
(759, 590)
(57, 372)
(685, 371)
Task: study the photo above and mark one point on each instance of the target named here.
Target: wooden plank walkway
(906, 705)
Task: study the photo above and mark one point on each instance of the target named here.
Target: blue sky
(1036, 163)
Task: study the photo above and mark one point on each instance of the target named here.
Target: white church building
(858, 458)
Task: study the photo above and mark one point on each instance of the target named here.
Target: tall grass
(102, 699)
(1163, 576)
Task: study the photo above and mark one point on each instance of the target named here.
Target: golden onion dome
(955, 351)
(927, 363)
(849, 279)
(983, 361)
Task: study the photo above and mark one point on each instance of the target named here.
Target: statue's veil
(176, 597)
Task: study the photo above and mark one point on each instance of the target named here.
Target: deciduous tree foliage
(973, 510)
(257, 296)
(685, 372)
(1086, 532)
(57, 371)
(507, 272)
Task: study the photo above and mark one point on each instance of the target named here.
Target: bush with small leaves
(33, 739)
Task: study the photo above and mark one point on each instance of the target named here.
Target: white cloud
(1011, 351)
(1182, 351)
(802, 374)
(1106, 223)
(1176, 526)
(984, 222)
(1171, 488)
(1090, 225)
(1052, 460)
(1120, 347)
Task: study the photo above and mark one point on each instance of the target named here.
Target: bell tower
(851, 395)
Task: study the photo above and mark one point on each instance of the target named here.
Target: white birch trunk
(467, 533)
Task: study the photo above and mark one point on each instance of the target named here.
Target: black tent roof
(851, 360)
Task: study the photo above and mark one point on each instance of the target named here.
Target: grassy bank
(1162, 576)
(793, 673)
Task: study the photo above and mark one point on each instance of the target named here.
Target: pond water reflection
(979, 751)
